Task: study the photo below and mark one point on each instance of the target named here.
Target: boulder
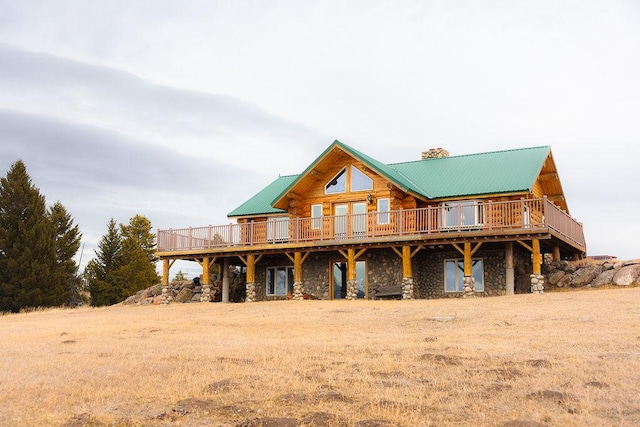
(604, 278)
(627, 275)
(555, 277)
(565, 281)
(184, 295)
(585, 276)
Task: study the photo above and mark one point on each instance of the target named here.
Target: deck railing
(466, 217)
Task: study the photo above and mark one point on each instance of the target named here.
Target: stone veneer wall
(429, 282)
(384, 267)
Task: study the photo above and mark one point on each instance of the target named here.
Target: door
(340, 221)
(339, 279)
(359, 219)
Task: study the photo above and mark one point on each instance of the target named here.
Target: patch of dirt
(217, 387)
(538, 363)
(321, 419)
(596, 384)
(293, 399)
(82, 420)
(553, 395)
(376, 423)
(334, 396)
(69, 342)
(521, 423)
(506, 373)
(269, 422)
(442, 358)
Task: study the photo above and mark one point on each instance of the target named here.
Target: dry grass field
(570, 358)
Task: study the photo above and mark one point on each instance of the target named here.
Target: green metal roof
(510, 171)
(260, 204)
(497, 172)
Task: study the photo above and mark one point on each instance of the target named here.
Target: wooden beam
(289, 256)
(343, 253)
(468, 264)
(556, 253)
(548, 176)
(475, 249)
(556, 198)
(205, 271)
(416, 250)
(351, 264)
(297, 267)
(529, 248)
(397, 251)
(458, 248)
(165, 272)
(360, 252)
(406, 262)
(251, 268)
(537, 257)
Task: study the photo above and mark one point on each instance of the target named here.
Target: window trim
(384, 217)
(316, 220)
(336, 177)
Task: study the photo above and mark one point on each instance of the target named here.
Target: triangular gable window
(360, 181)
(338, 184)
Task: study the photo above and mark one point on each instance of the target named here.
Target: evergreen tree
(67, 243)
(27, 244)
(124, 263)
(100, 271)
(138, 250)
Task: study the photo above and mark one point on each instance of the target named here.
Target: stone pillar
(225, 281)
(251, 292)
(352, 289)
(537, 283)
(510, 276)
(297, 291)
(407, 288)
(468, 287)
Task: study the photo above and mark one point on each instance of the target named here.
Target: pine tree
(124, 263)
(67, 242)
(100, 271)
(138, 249)
(27, 243)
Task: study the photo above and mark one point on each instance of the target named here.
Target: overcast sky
(179, 111)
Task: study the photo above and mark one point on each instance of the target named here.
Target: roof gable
(491, 173)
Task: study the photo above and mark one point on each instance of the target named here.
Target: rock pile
(588, 273)
(188, 291)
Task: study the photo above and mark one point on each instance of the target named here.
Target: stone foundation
(251, 292)
(407, 288)
(206, 293)
(166, 296)
(537, 284)
(352, 290)
(298, 291)
(468, 283)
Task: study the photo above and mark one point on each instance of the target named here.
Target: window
(279, 281)
(462, 214)
(316, 214)
(360, 181)
(454, 273)
(384, 206)
(278, 229)
(338, 184)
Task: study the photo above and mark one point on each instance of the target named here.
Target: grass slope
(557, 359)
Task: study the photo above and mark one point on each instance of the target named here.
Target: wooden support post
(510, 276)
(556, 253)
(206, 271)
(165, 272)
(251, 278)
(406, 262)
(352, 292)
(468, 264)
(537, 256)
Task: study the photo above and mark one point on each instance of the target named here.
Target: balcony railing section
(463, 217)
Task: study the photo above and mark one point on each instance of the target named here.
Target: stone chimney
(435, 153)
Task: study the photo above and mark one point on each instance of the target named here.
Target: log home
(350, 226)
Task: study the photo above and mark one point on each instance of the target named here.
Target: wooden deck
(483, 219)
